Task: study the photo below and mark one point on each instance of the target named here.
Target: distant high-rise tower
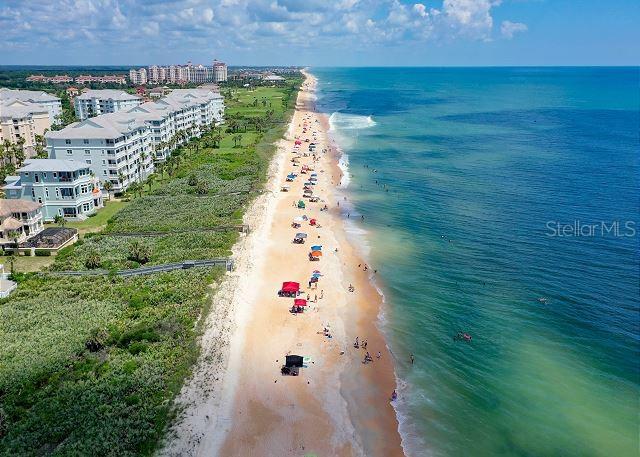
(219, 71)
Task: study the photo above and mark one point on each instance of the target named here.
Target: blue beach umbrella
(316, 248)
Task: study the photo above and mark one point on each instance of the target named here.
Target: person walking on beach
(364, 344)
(315, 298)
(379, 355)
(321, 294)
(412, 358)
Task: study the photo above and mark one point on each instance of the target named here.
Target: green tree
(139, 252)
(108, 186)
(93, 260)
(60, 220)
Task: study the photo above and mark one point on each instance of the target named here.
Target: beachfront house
(19, 221)
(63, 187)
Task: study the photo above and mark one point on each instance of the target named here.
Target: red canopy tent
(289, 288)
(299, 302)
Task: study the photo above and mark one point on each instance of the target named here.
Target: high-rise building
(219, 71)
(138, 76)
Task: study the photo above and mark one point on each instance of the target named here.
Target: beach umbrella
(298, 142)
(316, 271)
(301, 235)
(316, 248)
(299, 219)
(316, 254)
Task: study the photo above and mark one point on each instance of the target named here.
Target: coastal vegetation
(91, 365)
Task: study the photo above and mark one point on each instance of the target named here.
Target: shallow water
(475, 169)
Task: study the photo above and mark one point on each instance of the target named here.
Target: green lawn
(99, 221)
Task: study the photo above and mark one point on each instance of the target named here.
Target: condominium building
(219, 71)
(95, 102)
(120, 147)
(51, 103)
(177, 74)
(138, 76)
(19, 220)
(117, 147)
(22, 121)
(188, 110)
(63, 187)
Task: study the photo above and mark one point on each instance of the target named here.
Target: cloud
(508, 28)
(238, 25)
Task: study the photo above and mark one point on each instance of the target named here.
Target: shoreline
(241, 404)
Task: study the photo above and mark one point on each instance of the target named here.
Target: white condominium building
(95, 102)
(187, 110)
(50, 102)
(22, 120)
(117, 147)
(138, 76)
(120, 147)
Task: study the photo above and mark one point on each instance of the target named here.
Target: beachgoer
(379, 355)
(364, 344)
(321, 294)
(412, 358)
(315, 298)
(394, 395)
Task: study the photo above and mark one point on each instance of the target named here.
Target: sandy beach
(238, 403)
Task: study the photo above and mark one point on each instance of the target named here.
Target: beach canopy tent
(299, 302)
(290, 287)
(316, 248)
(301, 204)
(301, 235)
(316, 254)
(316, 271)
(298, 142)
(314, 174)
(294, 361)
(312, 222)
(291, 175)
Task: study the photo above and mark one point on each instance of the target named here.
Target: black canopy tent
(294, 361)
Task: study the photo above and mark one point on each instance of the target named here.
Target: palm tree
(108, 186)
(60, 220)
(150, 181)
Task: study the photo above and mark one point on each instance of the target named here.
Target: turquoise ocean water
(494, 213)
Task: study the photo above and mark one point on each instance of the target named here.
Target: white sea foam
(342, 121)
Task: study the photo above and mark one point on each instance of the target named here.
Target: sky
(320, 32)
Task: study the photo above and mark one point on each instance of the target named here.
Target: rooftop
(16, 108)
(52, 165)
(112, 125)
(17, 206)
(27, 95)
(111, 94)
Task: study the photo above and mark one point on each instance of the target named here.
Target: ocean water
(489, 197)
